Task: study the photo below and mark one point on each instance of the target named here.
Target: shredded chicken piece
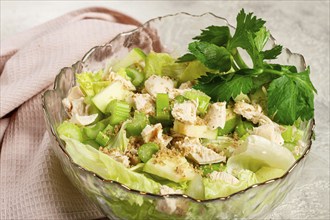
(154, 133)
(216, 115)
(185, 112)
(158, 84)
(144, 103)
(270, 132)
(126, 83)
(193, 148)
(267, 129)
(251, 112)
(186, 85)
(76, 108)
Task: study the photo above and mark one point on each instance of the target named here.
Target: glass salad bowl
(169, 34)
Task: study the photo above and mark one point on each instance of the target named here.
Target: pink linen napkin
(32, 184)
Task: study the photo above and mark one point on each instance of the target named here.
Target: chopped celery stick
(118, 107)
(201, 98)
(162, 107)
(115, 90)
(102, 138)
(91, 131)
(231, 122)
(165, 123)
(146, 151)
(108, 130)
(92, 143)
(209, 168)
(136, 76)
(243, 127)
(120, 111)
(138, 123)
(180, 98)
(99, 86)
(155, 63)
(70, 130)
(199, 131)
(136, 55)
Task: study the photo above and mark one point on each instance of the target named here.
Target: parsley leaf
(290, 97)
(186, 58)
(223, 88)
(212, 56)
(215, 35)
(272, 53)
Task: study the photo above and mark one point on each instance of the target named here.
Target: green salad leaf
(106, 167)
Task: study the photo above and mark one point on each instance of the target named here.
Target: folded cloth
(32, 184)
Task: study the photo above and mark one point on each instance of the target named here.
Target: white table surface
(302, 26)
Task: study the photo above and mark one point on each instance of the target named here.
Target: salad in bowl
(205, 125)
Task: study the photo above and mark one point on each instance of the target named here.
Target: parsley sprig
(290, 93)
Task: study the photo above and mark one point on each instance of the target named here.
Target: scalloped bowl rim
(59, 142)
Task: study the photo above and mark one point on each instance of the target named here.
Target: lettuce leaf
(257, 152)
(267, 173)
(106, 167)
(219, 188)
(87, 80)
(120, 141)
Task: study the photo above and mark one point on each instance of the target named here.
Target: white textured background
(302, 26)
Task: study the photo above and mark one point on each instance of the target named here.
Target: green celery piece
(99, 86)
(136, 76)
(102, 138)
(180, 98)
(162, 107)
(136, 55)
(92, 143)
(146, 151)
(243, 127)
(91, 131)
(201, 98)
(108, 130)
(70, 130)
(138, 123)
(115, 90)
(231, 121)
(119, 110)
(209, 168)
(229, 126)
(198, 131)
(155, 63)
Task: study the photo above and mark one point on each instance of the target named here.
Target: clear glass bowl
(171, 34)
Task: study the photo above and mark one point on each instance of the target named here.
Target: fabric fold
(32, 184)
